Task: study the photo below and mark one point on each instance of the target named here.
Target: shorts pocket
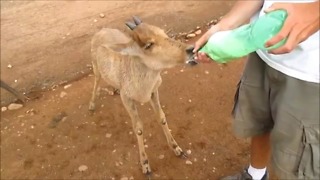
(309, 166)
(236, 99)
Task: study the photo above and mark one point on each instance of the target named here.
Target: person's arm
(240, 13)
(301, 23)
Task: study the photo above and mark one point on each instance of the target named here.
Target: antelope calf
(132, 65)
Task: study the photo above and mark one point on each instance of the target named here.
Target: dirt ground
(52, 136)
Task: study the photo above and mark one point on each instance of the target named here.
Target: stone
(15, 106)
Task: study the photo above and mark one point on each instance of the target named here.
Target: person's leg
(260, 151)
(252, 117)
(295, 136)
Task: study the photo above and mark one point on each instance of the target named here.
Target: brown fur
(132, 64)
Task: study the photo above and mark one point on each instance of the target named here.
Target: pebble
(191, 35)
(3, 109)
(9, 66)
(198, 27)
(67, 86)
(101, 15)
(95, 20)
(198, 32)
(204, 160)
(63, 94)
(188, 162)
(161, 156)
(181, 70)
(188, 151)
(15, 81)
(15, 106)
(213, 153)
(83, 168)
(189, 100)
(206, 72)
(108, 135)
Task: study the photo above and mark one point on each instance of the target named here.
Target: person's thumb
(199, 43)
(273, 7)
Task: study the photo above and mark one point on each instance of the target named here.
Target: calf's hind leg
(131, 108)
(96, 89)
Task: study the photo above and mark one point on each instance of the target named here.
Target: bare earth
(47, 44)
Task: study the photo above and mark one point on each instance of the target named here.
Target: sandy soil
(47, 44)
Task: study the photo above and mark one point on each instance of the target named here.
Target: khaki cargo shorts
(270, 101)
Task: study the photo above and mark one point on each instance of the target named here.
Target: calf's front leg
(155, 103)
(131, 108)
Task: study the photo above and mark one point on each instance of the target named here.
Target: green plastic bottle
(226, 46)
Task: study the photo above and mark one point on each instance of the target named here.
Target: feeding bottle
(225, 46)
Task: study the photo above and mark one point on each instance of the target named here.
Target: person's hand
(301, 23)
(200, 56)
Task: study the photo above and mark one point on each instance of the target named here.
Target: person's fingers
(284, 33)
(291, 42)
(203, 58)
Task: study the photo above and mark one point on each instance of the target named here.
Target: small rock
(101, 15)
(181, 70)
(9, 66)
(146, 146)
(83, 168)
(165, 72)
(191, 35)
(188, 162)
(63, 94)
(108, 135)
(15, 81)
(188, 151)
(198, 32)
(15, 106)
(67, 86)
(206, 72)
(195, 159)
(189, 100)
(95, 20)
(68, 34)
(213, 153)
(3, 109)
(215, 21)
(198, 27)
(161, 156)
(131, 178)
(204, 160)
(130, 132)
(183, 34)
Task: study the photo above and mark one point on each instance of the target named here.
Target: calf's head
(158, 50)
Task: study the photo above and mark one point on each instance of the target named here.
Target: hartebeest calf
(132, 65)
